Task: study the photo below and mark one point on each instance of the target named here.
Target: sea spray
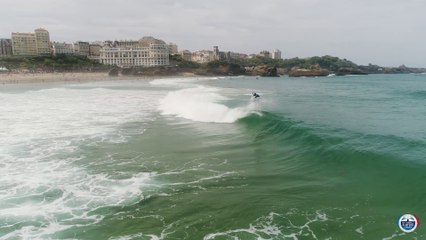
(203, 104)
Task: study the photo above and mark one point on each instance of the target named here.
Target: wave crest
(202, 104)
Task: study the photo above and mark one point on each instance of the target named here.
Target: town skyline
(387, 33)
(147, 51)
(265, 52)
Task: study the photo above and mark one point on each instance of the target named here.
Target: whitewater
(199, 158)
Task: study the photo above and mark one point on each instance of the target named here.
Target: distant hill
(322, 66)
(258, 66)
(60, 63)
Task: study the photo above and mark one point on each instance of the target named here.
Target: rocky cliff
(315, 71)
(263, 71)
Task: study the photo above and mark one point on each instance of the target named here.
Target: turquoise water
(313, 158)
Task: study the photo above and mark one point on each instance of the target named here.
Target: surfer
(255, 95)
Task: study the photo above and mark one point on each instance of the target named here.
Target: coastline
(35, 78)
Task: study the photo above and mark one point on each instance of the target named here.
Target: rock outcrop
(263, 71)
(224, 69)
(349, 71)
(313, 72)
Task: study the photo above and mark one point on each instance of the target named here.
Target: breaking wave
(203, 104)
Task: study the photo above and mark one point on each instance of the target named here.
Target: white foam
(39, 181)
(56, 194)
(180, 81)
(360, 230)
(202, 104)
(262, 226)
(61, 113)
(270, 227)
(214, 177)
(395, 235)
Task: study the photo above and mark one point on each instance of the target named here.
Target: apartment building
(173, 48)
(148, 41)
(276, 54)
(5, 47)
(203, 56)
(94, 51)
(43, 42)
(59, 48)
(216, 53)
(265, 54)
(82, 48)
(234, 55)
(186, 55)
(125, 44)
(24, 44)
(31, 44)
(148, 52)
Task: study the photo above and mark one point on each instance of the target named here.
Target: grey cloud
(387, 32)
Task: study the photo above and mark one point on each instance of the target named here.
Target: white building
(62, 48)
(276, 54)
(203, 56)
(82, 48)
(147, 55)
(124, 44)
(173, 48)
(186, 55)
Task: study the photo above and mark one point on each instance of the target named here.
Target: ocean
(199, 158)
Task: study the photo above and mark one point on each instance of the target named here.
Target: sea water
(199, 158)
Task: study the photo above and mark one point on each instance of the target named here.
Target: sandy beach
(24, 78)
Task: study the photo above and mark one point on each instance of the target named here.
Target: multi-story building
(203, 56)
(265, 54)
(43, 42)
(62, 48)
(5, 47)
(147, 41)
(223, 56)
(276, 54)
(186, 55)
(125, 44)
(30, 44)
(82, 48)
(234, 55)
(173, 48)
(24, 44)
(148, 53)
(107, 43)
(216, 53)
(94, 51)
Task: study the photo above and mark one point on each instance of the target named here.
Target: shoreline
(77, 77)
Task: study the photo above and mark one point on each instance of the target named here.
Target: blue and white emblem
(408, 223)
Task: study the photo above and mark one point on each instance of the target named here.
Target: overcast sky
(386, 32)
